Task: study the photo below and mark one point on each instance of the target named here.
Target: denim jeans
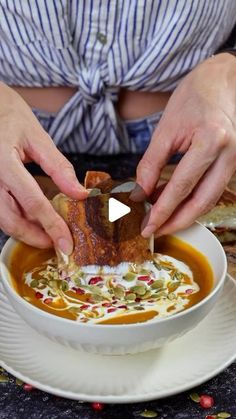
(140, 132)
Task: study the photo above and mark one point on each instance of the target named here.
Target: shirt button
(102, 38)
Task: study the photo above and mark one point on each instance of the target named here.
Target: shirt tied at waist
(92, 113)
(91, 85)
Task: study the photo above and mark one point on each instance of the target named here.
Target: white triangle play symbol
(116, 209)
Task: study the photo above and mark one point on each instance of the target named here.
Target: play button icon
(113, 216)
(116, 209)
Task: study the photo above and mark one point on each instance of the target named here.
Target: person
(104, 77)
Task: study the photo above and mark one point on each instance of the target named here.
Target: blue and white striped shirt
(101, 45)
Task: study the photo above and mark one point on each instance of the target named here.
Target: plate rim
(122, 399)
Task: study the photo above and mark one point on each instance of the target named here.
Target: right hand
(25, 212)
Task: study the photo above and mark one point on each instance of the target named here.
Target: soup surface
(177, 277)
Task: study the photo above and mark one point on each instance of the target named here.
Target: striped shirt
(99, 46)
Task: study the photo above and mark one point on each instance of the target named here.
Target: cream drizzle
(113, 277)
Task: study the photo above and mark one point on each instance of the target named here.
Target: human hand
(200, 121)
(25, 212)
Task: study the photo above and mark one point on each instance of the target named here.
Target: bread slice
(96, 240)
(221, 220)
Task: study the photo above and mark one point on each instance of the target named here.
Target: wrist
(224, 64)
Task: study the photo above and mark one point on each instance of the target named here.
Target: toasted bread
(221, 220)
(98, 241)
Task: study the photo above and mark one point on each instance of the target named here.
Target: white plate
(181, 365)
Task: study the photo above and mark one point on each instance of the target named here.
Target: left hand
(200, 121)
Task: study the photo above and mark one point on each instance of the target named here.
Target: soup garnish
(176, 278)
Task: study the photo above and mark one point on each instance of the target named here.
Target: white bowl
(129, 338)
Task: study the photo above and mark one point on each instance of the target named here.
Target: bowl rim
(5, 275)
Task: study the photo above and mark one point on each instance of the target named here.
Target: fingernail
(148, 230)
(76, 184)
(81, 187)
(137, 194)
(65, 246)
(81, 191)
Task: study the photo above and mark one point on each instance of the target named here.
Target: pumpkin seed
(173, 285)
(139, 308)
(159, 283)
(55, 275)
(42, 273)
(178, 275)
(76, 280)
(94, 192)
(139, 289)
(131, 304)
(3, 378)
(34, 283)
(64, 286)
(97, 298)
(42, 281)
(130, 276)
(148, 414)
(130, 297)
(119, 292)
(147, 294)
(224, 415)
(19, 382)
(160, 294)
(94, 289)
(171, 296)
(51, 294)
(53, 284)
(41, 286)
(195, 397)
(157, 265)
(166, 267)
(144, 271)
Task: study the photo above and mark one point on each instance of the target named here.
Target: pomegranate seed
(150, 282)
(110, 310)
(47, 300)
(95, 280)
(211, 417)
(38, 295)
(28, 387)
(122, 306)
(106, 304)
(137, 300)
(143, 278)
(97, 406)
(84, 307)
(206, 401)
(189, 291)
(78, 290)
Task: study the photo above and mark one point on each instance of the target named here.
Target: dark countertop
(17, 403)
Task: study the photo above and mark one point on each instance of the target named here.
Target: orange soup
(178, 277)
